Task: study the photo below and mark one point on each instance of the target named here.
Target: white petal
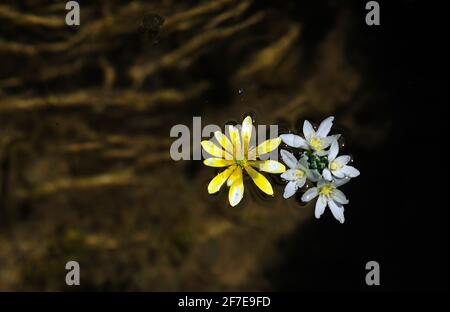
(290, 189)
(338, 173)
(310, 194)
(340, 197)
(321, 203)
(293, 140)
(303, 162)
(308, 129)
(327, 174)
(343, 160)
(325, 127)
(289, 159)
(336, 210)
(314, 175)
(350, 171)
(289, 175)
(327, 141)
(334, 137)
(334, 150)
(340, 182)
(300, 182)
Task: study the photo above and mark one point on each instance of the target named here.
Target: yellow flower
(236, 154)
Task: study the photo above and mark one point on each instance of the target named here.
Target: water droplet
(284, 126)
(306, 187)
(342, 143)
(352, 159)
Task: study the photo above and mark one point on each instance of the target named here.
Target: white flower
(297, 174)
(338, 166)
(317, 141)
(329, 196)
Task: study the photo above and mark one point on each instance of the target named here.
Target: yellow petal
(236, 141)
(214, 150)
(271, 166)
(260, 180)
(218, 162)
(246, 133)
(216, 183)
(236, 192)
(224, 141)
(268, 146)
(236, 175)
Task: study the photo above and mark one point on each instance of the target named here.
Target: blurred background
(85, 169)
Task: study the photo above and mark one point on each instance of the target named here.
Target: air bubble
(342, 143)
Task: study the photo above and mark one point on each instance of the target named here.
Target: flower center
(299, 173)
(335, 165)
(241, 162)
(316, 144)
(326, 190)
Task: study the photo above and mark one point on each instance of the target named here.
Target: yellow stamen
(316, 144)
(241, 162)
(326, 190)
(334, 165)
(299, 173)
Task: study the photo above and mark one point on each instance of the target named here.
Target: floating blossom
(236, 154)
(316, 158)
(329, 196)
(297, 174)
(317, 141)
(338, 166)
